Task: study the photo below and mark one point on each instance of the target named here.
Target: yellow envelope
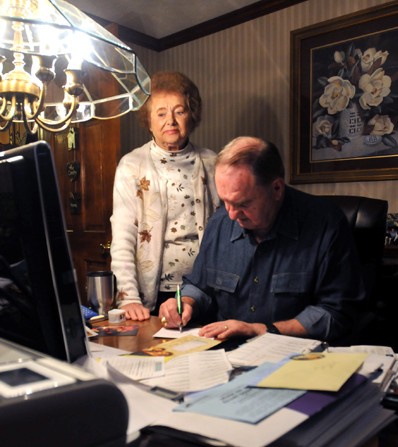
(326, 371)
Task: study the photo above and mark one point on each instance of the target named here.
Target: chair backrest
(367, 218)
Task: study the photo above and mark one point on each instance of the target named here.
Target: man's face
(169, 120)
(254, 207)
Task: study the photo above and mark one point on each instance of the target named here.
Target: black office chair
(367, 218)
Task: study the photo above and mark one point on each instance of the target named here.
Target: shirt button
(256, 280)
(252, 308)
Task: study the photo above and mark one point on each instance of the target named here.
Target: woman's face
(170, 120)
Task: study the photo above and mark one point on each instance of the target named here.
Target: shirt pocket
(222, 281)
(291, 283)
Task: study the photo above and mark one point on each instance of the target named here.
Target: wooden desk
(143, 339)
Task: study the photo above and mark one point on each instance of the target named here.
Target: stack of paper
(271, 405)
(348, 422)
(240, 415)
(380, 358)
(270, 348)
(193, 372)
(249, 407)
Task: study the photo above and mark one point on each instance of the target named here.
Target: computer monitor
(39, 299)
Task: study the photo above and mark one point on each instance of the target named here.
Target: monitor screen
(39, 298)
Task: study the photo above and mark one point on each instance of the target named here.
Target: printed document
(270, 348)
(138, 368)
(193, 372)
(237, 401)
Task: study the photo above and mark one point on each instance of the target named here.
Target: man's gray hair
(261, 156)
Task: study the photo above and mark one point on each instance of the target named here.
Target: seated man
(272, 259)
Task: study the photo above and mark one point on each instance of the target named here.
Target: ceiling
(159, 18)
(161, 24)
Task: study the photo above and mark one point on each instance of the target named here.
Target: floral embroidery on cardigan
(143, 185)
(145, 235)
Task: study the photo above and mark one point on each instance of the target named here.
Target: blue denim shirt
(307, 268)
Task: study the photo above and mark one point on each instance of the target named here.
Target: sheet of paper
(269, 348)
(238, 434)
(104, 351)
(90, 332)
(370, 349)
(193, 372)
(315, 371)
(144, 406)
(175, 333)
(137, 368)
(179, 346)
(237, 401)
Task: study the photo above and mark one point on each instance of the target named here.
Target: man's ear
(278, 186)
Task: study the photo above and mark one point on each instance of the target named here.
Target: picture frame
(344, 98)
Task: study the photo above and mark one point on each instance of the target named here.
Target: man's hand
(136, 311)
(168, 312)
(221, 330)
(236, 328)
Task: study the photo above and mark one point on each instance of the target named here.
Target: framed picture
(344, 98)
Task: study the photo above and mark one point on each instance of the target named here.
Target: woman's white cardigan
(139, 220)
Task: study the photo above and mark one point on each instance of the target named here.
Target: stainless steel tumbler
(100, 291)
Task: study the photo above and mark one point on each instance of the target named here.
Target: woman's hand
(221, 330)
(169, 315)
(136, 311)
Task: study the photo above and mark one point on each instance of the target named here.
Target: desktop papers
(185, 373)
(138, 368)
(270, 348)
(193, 372)
(351, 417)
(175, 333)
(237, 401)
(315, 371)
(381, 360)
(180, 346)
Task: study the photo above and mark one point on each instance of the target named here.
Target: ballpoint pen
(179, 305)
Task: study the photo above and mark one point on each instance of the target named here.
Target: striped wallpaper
(243, 74)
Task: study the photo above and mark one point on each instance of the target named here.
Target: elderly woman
(164, 194)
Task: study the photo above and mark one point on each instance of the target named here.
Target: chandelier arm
(36, 106)
(6, 126)
(48, 124)
(53, 127)
(31, 130)
(3, 106)
(11, 113)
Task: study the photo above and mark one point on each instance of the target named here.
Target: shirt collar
(237, 232)
(182, 152)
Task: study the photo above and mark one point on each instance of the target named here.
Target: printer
(48, 402)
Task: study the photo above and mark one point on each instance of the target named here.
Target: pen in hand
(179, 305)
